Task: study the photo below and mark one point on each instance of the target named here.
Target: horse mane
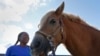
(78, 20)
(74, 18)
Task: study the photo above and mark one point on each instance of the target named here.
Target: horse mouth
(38, 54)
(40, 51)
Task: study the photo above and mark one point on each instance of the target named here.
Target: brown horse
(79, 38)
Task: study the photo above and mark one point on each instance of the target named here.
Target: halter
(49, 37)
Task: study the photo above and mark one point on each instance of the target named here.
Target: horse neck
(78, 38)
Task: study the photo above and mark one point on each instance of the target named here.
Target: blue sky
(25, 15)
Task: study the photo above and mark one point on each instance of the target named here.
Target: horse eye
(52, 21)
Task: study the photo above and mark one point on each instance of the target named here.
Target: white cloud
(2, 27)
(2, 49)
(9, 36)
(28, 26)
(10, 33)
(9, 15)
(12, 10)
(38, 3)
(43, 4)
(61, 50)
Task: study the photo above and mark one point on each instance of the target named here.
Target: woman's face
(24, 38)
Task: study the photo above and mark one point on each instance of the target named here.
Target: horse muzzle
(40, 45)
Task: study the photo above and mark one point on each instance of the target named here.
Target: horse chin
(38, 54)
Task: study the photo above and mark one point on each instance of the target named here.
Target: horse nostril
(37, 44)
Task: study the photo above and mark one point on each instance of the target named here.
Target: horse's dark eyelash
(52, 21)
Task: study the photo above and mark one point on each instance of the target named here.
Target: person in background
(22, 49)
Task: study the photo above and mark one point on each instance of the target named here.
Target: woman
(22, 49)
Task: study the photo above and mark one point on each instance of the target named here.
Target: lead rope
(52, 45)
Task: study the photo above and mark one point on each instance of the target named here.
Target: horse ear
(60, 9)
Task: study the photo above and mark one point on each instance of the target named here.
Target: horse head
(50, 29)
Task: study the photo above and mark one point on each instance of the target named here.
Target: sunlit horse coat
(79, 38)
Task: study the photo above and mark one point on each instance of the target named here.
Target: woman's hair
(19, 37)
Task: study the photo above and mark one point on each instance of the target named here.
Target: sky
(24, 15)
